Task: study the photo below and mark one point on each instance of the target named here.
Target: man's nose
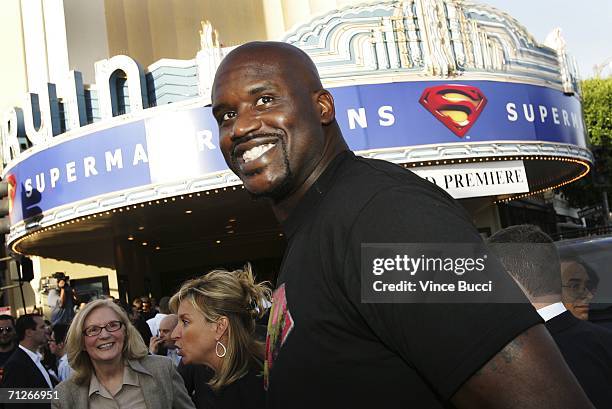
(245, 123)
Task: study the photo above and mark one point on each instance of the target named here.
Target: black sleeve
(144, 330)
(445, 343)
(187, 372)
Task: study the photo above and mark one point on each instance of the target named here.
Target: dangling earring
(223, 349)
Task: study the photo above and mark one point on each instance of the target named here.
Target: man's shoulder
(19, 368)
(598, 333)
(376, 170)
(19, 357)
(566, 327)
(360, 179)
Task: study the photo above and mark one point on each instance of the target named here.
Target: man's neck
(283, 209)
(30, 346)
(7, 347)
(544, 301)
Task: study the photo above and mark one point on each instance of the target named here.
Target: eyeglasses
(579, 289)
(6, 330)
(94, 330)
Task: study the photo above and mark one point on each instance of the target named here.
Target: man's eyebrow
(261, 88)
(218, 107)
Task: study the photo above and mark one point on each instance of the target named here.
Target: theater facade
(126, 173)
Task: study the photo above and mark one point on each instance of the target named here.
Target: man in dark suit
(531, 258)
(24, 369)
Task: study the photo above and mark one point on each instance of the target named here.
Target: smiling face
(266, 100)
(577, 290)
(106, 347)
(195, 337)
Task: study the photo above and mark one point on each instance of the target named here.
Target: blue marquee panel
(177, 145)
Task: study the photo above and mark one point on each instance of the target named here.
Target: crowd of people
(102, 357)
(324, 347)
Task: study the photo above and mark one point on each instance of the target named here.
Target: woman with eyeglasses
(112, 368)
(217, 314)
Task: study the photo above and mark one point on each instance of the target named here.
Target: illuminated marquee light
(586, 165)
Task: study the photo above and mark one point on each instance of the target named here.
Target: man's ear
(222, 324)
(327, 109)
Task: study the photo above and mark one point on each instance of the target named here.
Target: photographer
(62, 300)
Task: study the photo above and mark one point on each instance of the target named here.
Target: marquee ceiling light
(141, 228)
(144, 243)
(130, 238)
(126, 208)
(586, 165)
(188, 211)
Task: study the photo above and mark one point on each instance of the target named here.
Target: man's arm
(529, 373)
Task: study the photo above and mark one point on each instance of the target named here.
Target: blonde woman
(216, 328)
(112, 368)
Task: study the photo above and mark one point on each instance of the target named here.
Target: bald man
(326, 349)
(162, 344)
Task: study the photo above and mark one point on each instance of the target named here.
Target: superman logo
(456, 106)
(12, 189)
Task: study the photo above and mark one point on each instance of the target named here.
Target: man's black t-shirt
(325, 347)
(4, 356)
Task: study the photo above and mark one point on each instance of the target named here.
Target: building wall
(13, 79)
(154, 29)
(86, 35)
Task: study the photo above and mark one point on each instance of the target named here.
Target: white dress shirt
(63, 369)
(36, 359)
(551, 311)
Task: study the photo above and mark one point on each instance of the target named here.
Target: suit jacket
(21, 372)
(587, 349)
(162, 386)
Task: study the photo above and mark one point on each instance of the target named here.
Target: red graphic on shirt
(456, 106)
(280, 325)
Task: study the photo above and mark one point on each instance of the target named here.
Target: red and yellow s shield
(12, 189)
(456, 106)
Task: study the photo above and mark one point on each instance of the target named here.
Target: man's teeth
(106, 346)
(256, 152)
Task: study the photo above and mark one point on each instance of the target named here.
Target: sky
(586, 26)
